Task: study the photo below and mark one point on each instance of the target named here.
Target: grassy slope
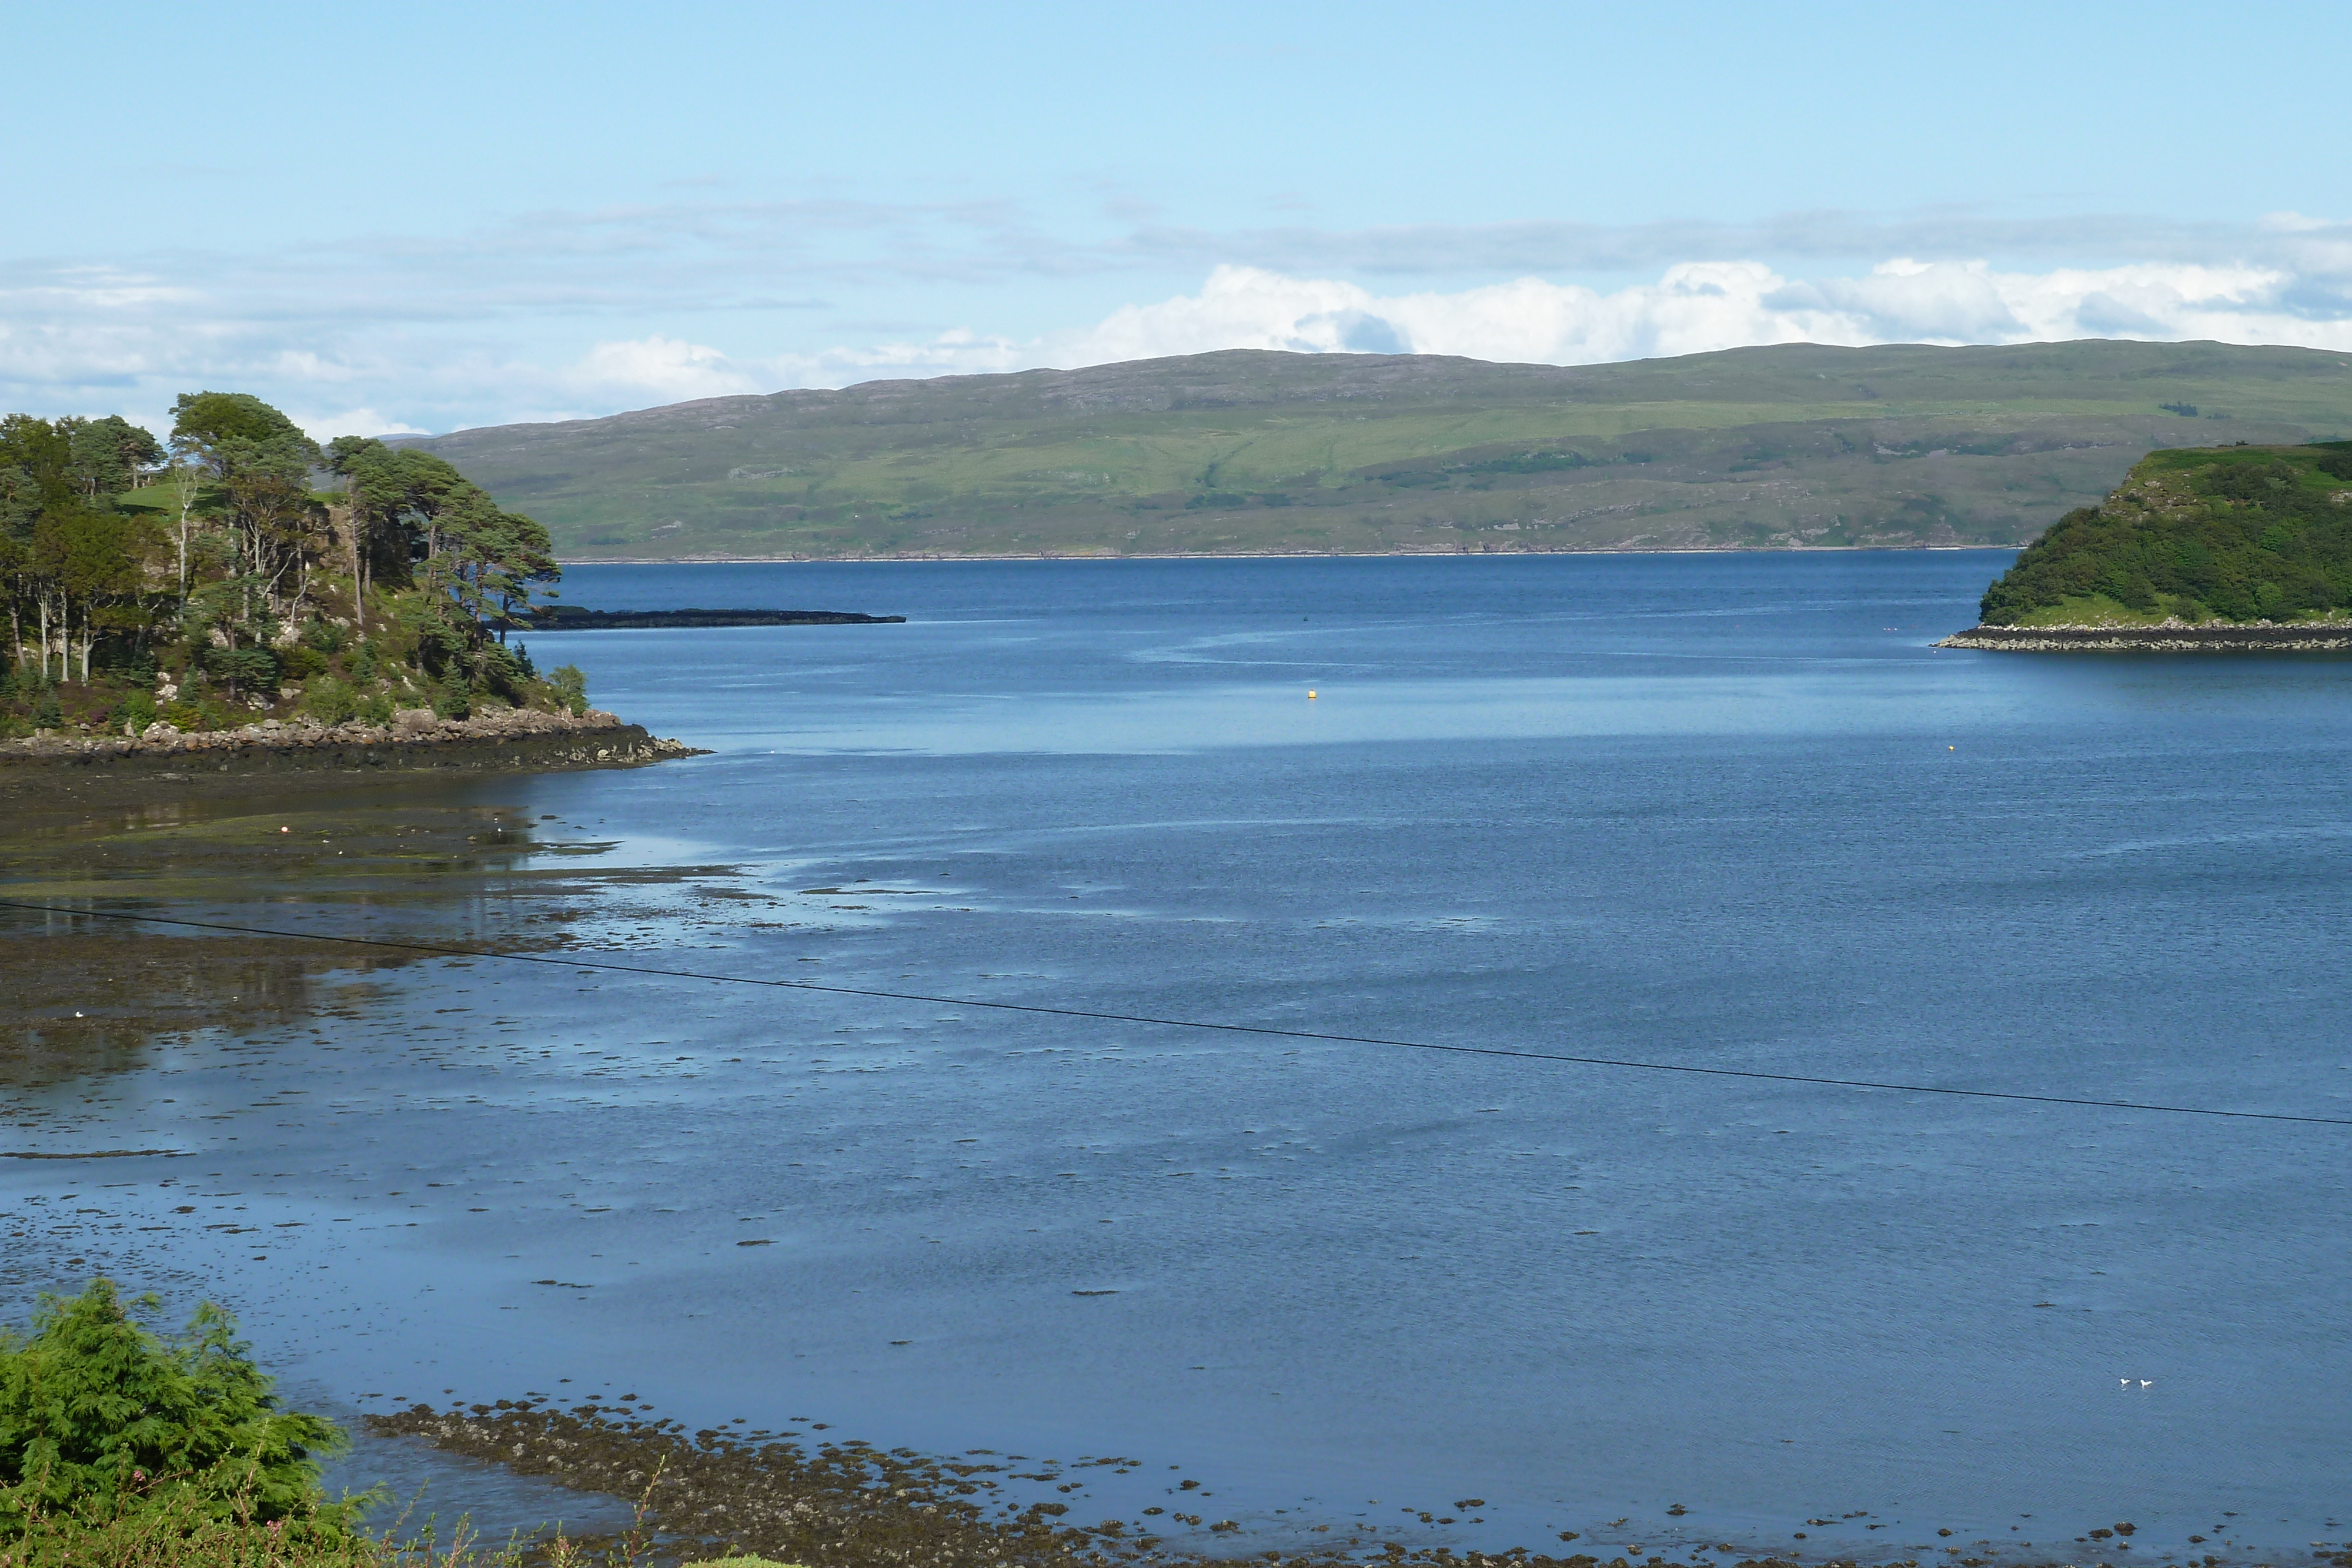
(2237, 534)
(1256, 451)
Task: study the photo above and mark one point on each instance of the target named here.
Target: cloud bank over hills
(565, 315)
(1695, 306)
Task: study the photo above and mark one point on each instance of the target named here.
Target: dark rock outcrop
(566, 618)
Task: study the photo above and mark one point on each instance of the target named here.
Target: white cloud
(1696, 307)
(402, 334)
(1693, 308)
(351, 421)
(1238, 307)
(663, 369)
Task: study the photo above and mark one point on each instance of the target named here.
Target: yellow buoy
(1311, 696)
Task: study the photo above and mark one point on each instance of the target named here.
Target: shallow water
(1726, 811)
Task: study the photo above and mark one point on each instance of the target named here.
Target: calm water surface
(1722, 811)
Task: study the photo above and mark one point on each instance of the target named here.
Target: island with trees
(238, 586)
(2222, 548)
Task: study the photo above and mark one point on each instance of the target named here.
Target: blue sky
(436, 215)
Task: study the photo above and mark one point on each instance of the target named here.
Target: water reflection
(1778, 834)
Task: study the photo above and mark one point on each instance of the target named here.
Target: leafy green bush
(244, 669)
(376, 707)
(138, 711)
(329, 701)
(500, 671)
(324, 636)
(301, 662)
(571, 683)
(98, 1413)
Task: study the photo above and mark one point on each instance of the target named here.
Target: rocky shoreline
(795, 1497)
(2165, 637)
(415, 740)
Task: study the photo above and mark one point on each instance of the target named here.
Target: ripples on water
(1727, 811)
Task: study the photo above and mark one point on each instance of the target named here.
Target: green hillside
(2233, 533)
(1254, 451)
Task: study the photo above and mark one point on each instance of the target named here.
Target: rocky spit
(2164, 637)
(415, 739)
(796, 1498)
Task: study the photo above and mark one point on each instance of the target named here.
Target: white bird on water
(2147, 1382)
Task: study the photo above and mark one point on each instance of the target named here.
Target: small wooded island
(243, 588)
(2227, 548)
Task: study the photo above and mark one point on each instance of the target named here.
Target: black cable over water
(591, 966)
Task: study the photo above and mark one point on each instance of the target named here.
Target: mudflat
(409, 847)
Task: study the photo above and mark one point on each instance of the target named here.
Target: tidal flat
(1728, 813)
(412, 859)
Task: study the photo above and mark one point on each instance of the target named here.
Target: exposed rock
(571, 617)
(2165, 637)
(498, 738)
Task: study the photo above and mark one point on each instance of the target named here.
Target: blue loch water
(1721, 811)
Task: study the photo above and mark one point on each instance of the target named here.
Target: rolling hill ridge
(1248, 451)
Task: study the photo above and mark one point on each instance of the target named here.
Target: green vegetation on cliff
(243, 573)
(2237, 533)
(1243, 450)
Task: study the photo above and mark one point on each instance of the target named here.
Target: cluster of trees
(2242, 533)
(240, 556)
(66, 548)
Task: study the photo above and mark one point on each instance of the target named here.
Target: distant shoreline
(571, 618)
(1262, 555)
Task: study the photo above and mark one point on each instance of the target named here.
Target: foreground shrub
(102, 1419)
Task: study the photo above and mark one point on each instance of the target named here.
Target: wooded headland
(242, 577)
(2238, 547)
